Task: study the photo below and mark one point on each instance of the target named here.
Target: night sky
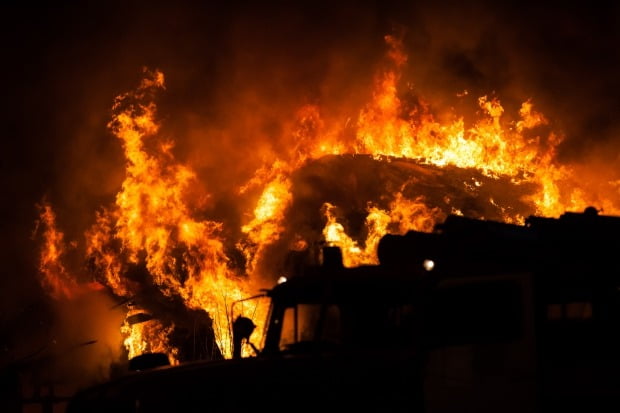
(64, 64)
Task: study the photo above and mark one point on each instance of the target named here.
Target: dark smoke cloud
(560, 55)
(236, 73)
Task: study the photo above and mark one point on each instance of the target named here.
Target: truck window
(310, 322)
(354, 324)
(577, 310)
(379, 326)
(488, 311)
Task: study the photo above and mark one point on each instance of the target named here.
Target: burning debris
(395, 168)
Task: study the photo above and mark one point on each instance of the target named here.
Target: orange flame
(152, 224)
(55, 277)
(148, 337)
(185, 257)
(403, 215)
(267, 224)
(517, 150)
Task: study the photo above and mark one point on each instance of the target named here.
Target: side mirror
(242, 329)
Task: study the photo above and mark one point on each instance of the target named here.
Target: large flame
(151, 220)
(403, 215)
(148, 337)
(523, 150)
(152, 237)
(267, 222)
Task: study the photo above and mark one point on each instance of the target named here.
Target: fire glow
(153, 235)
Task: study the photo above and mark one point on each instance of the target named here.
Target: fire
(267, 224)
(488, 146)
(335, 235)
(151, 220)
(152, 242)
(517, 150)
(56, 279)
(402, 216)
(148, 337)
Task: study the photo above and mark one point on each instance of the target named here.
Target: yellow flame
(267, 224)
(185, 257)
(403, 215)
(524, 151)
(149, 337)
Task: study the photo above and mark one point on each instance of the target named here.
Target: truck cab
(336, 337)
(475, 316)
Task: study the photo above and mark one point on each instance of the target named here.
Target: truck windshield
(348, 324)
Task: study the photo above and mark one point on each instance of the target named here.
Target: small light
(282, 280)
(428, 265)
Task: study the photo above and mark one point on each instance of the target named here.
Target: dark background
(64, 63)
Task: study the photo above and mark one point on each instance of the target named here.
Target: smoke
(85, 340)
(560, 57)
(66, 343)
(262, 79)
